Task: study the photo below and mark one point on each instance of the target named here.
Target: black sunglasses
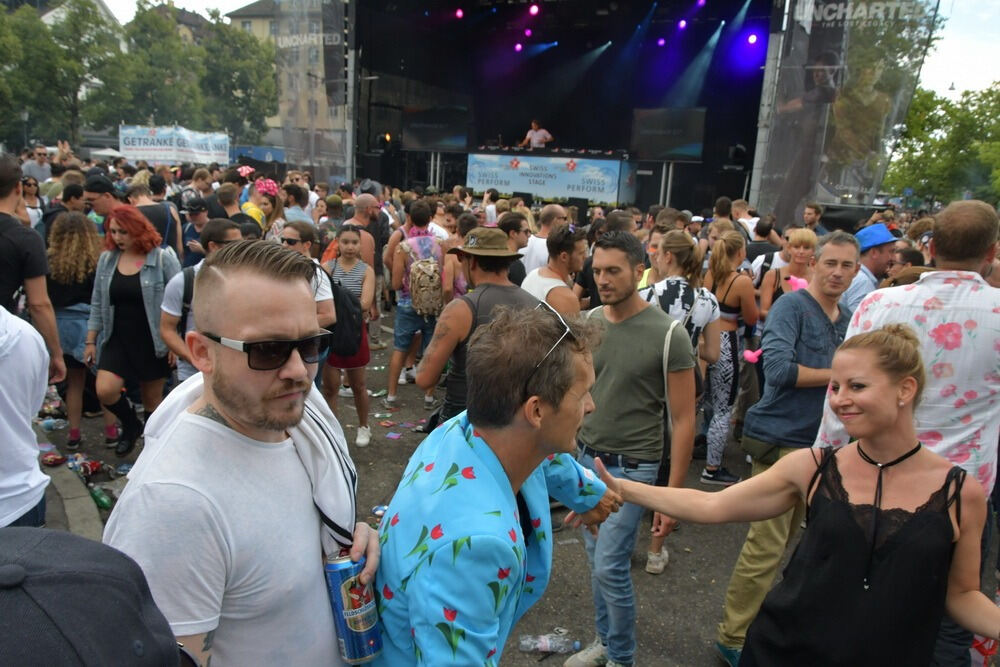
(268, 355)
(288, 241)
(566, 332)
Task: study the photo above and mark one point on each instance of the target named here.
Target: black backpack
(350, 319)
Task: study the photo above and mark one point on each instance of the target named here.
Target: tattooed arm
(453, 326)
(200, 646)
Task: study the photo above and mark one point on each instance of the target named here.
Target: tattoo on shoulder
(208, 411)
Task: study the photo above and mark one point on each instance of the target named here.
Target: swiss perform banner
(172, 145)
(846, 72)
(598, 181)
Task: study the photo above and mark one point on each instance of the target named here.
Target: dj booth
(606, 178)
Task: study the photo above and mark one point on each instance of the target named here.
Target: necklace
(877, 503)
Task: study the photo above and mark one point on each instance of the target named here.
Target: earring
(901, 404)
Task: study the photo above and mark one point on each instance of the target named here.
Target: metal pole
(663, 185)
(670, 184)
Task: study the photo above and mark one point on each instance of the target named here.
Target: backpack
(350, 319)
(426, 290)
(186, 300)
(764, 268)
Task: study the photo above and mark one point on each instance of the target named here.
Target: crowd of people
(217, 316)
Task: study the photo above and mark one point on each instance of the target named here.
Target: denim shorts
(407, 324)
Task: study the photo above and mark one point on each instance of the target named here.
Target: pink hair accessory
(797, 283)
(245, 170)
(752, 357)
(266, 186)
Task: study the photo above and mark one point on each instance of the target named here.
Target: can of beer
(354, 610)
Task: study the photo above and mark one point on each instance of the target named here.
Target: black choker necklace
(877, 503)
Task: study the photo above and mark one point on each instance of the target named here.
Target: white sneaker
(656, 563)
(402, 377)
(346, 392)
(594, 655)
(408, 376)
(364, 436)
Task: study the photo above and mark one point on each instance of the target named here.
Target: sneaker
(594, 655)
(111, 442)
(74, 444)
(376, 345)
(90, 414)
(402, 377)
(615, 663)
(430, 403)
(719, 477)
(364, 436)
(346, 392)
(390, 401)
(656, 563)
(729, 654)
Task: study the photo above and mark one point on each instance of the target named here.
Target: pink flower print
(970, 395)
(856, 318)
(492, 653)
(966, 419)
(528, 578)
(873, 297)
(970, 324)
(468, 473)
(948, 391)
(996, 345)
(920, 319)
(394, 520)
(996, 309)
(450, 614)
(948, 335)
(551, 457)
(961, 453)
(436, 532)
(503, 573)
(536, 523)
(984, 472)
(429, 467)
(933, 303)
(930, 438)
(867, 325)
(942, 370)
(954, 282)
(960, 403)
(513, 535)
(386, 592)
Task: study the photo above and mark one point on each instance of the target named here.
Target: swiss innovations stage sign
(549, 178)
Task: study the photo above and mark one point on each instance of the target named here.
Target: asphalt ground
(677, 611)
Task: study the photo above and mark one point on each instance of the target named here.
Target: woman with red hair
(123, 333)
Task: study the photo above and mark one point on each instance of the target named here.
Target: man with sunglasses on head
(467, 538)
(245, 484)
(645, 363)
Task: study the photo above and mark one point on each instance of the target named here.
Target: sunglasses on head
(566, 332)
(269, 355)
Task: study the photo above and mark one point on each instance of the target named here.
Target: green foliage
(948, 148)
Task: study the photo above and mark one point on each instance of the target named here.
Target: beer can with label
(354, 610)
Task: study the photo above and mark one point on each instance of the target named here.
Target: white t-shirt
(173, 304)
(534, 255)
(539, 286)
(758, 264)
(438, 231)
(24, 369)
(226, 532)
(321, 284)
(538, 137)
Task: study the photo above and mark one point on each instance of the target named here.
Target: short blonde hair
(802, 237)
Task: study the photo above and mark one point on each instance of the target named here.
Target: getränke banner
(172, 145)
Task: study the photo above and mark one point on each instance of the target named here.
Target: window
(313, 55)
(314, 28)
(247, 26)
(293, 54)
(273, 28)
(293, 27)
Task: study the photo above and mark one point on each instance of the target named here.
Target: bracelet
(90, 342)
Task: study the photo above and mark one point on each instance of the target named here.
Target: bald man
(536, 253)
(246, 481)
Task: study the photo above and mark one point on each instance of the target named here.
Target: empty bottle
(547, 644)
(102, 499)
(50, 424)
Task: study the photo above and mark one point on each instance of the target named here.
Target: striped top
(353, 279)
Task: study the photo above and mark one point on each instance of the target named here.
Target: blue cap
(874, 235)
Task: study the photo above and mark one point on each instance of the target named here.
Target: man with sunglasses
(39, 168)
(645, 363)
(246, 483)
(467, 538)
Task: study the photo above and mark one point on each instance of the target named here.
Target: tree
(949, 148)
(166, 71)
(240, 83)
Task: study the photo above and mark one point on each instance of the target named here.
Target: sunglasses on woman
(268, 355)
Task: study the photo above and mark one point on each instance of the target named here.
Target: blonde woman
(801, 248)
(74, 247)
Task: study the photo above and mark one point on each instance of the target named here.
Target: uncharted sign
(553, 178)
(172, 145)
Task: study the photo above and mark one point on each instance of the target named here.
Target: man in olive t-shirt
(626, 429)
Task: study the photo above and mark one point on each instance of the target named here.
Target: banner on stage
(844, 73)
(172, 145)
(549, 177)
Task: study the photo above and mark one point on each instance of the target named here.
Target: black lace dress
(821, 613)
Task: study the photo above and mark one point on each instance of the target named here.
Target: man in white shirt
(24, 364)
(537, 136)
(536, 253)
(245, 484)
(956, 314)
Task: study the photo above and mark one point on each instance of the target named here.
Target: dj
(537, 136)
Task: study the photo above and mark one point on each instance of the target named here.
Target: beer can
(354, 610)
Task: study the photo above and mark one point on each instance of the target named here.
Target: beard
(260, 412)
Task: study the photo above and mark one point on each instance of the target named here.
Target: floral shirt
(461, 563)
(957, 316)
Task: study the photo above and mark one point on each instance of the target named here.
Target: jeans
(954, 641)
(757, 566)
(33, 518)
(407, 324)
(610, 558)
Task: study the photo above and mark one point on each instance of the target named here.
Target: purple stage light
(682, 24)
(752, 39)
(533, 10)
(701, 3)
(527, 32)
(459, 13)
(518, 47)
(661, 42)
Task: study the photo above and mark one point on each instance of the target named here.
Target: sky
(965, 55)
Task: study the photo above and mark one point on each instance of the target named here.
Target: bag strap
(187, 298)
(666, 371)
